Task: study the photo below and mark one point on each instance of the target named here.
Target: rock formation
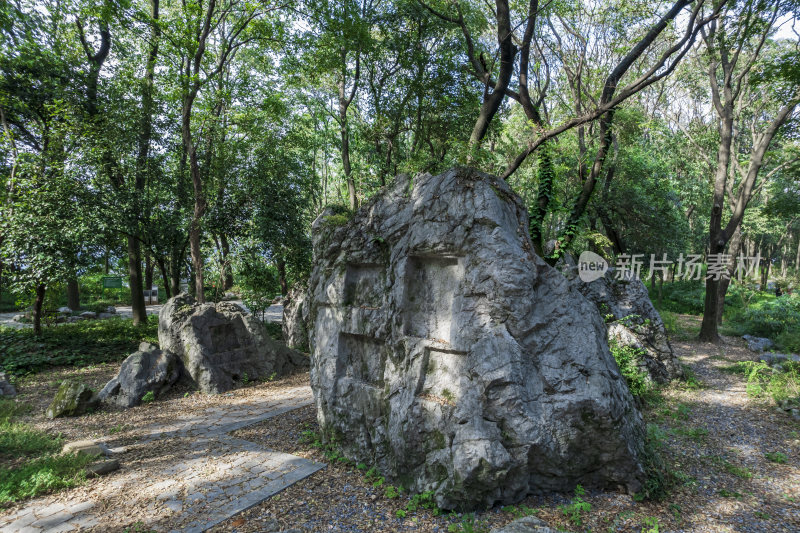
(295, 333)
(220, 344)
(72, 399)
(148, 369)
(631, 320)
(448, 354)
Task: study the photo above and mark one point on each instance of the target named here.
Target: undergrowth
(79, 344)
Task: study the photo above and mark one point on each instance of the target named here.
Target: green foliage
(659, 477)
(775, 318)
(628, 359)
(275, 330)
(148, 397)
(782, 384)
(35, 468)
(469, 524)
(683, 297)
(650, 525)
(79, 344)
(577, 507)
(42, 475)
(776, 457)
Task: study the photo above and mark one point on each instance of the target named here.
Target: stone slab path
(199, 478)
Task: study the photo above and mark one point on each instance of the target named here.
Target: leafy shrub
(781, 384)
(78, 344)
(685, 297)
(576, 507)
(628, 359)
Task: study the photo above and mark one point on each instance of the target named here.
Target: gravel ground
(715, 440)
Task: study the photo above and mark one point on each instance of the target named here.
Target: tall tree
(733, 45)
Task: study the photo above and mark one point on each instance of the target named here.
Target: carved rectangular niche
(445, 374)
(432, 284)
(361, 358)
(364, 285)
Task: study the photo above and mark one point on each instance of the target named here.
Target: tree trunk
(162, 267)
(797, 257)
(149, 267)
(37, 309)
(73, 294)
(282, 276)
(227, 279)
(734, 249)
(106, 262)
(135, 280)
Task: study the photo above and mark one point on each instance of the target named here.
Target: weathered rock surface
(632, 320)
(89, 314)
(86, 447)
(758, 344)
(7, 390)
(102, 468)
(72, 399)
(448, 354)
(220, 344)
(148, 369)
(295, 332)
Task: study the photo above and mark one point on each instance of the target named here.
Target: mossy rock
(72, 399)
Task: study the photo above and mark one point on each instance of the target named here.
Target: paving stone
(241, 474)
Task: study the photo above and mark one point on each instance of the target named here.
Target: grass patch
(29, 465)
(776, 457)
(42, 475)
(79, 344)
(782, 384)
(696, 434)
(727, 466)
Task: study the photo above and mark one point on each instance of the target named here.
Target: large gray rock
(7, 389)
(295, 332)
(148, 369)
(448, 354)
(758, 344)
(72, 399)
(631, 320)
(220, 344)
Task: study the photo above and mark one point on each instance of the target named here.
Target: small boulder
(19, 318)
(148, 369)
(72, 399)
(111, 310)
(774, 358)
(758, 344)
(86, 447)
(528, 524)
(65, 310)
(73, 319)
(88, 315)
(7, 390)
(221, 343)
(103, 316)
(102, 468)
